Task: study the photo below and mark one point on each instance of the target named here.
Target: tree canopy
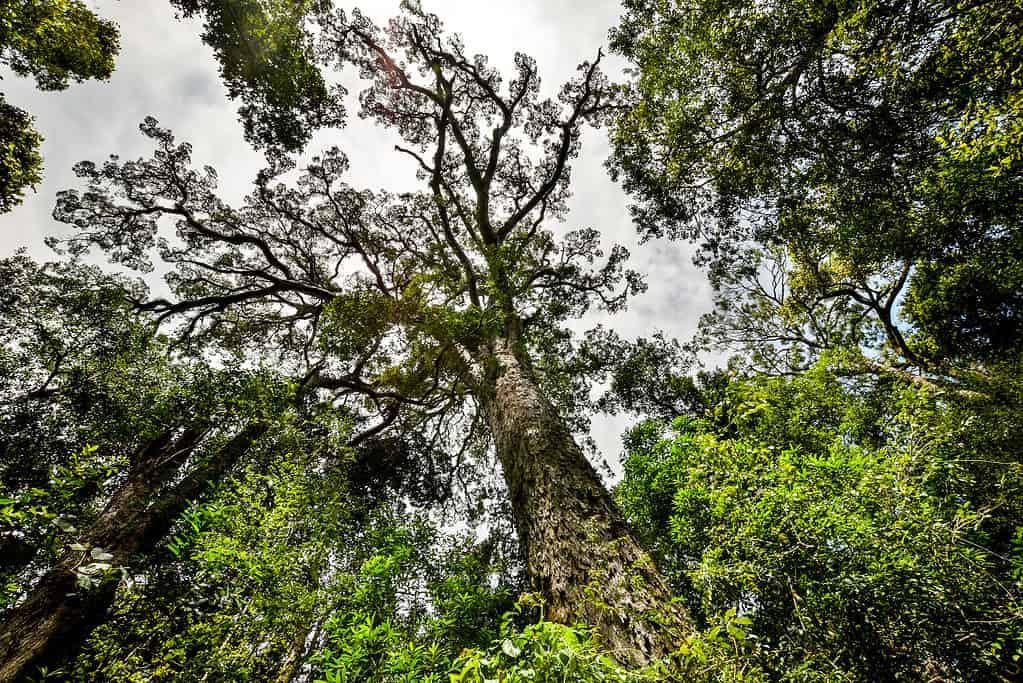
(868, 147)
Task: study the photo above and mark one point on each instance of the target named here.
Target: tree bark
(292, 665)
(582, 556)
(56, 616)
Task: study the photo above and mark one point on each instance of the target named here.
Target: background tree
(845, 168)
(267, 61)
(865, 150)
(55, 42)
(265, 56)
(246, 586)
(105, 443)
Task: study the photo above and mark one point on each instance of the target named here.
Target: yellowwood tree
(443, 308)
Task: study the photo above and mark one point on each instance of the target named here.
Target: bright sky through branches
(164, 70)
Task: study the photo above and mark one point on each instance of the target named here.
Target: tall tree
(443, 297)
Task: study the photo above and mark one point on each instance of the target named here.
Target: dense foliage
(869, 532)
(288, 467)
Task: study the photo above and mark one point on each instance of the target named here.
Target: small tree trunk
(291, 667)
(52, 621)
(581, 554)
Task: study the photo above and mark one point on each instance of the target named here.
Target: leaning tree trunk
(582, 556)
(52, 621)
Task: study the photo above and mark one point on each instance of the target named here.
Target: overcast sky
(164, 70)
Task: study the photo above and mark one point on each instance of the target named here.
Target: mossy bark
(582, 556)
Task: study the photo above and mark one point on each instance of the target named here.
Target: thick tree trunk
(581, 554)
(54, 618)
